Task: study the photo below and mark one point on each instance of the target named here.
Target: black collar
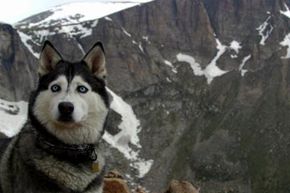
(69, 152)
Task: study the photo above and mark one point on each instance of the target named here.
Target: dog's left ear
(96, 61)
(49, 57)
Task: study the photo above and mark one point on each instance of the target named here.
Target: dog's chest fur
(29, 169)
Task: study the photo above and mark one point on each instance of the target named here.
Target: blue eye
(55, 88)
(82, 89)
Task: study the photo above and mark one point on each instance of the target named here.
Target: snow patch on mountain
(139, 43)
(236, 46)
(78, 30)
(81, 48)
(142, 166)
(168, 63)
(146, 38)
(241, 68)
(196, 68)
(265, 30)
(126, 33)
(286, 43)
(286, 12)
(211, 70)
(13, 116)
(128, 136)
(141, 47)
(130, 126)
(108, 19)
(25, 40)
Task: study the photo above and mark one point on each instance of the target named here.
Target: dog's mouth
(66, 119)
(66, 123)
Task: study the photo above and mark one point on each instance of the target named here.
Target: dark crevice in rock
(211, 7)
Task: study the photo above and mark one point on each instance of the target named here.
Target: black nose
(66, 108)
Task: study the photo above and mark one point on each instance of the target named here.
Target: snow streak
(287, 12)
(211, 71)
(241, 68)
(13, 116)
(286, 43)
(128, 136)
(265, 30)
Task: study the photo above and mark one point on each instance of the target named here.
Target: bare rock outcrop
(115, 183)
(181, 187)
(17, 66)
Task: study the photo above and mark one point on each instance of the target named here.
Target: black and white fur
(58, 146)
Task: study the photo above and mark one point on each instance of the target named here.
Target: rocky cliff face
(17, 66)
(209, 82)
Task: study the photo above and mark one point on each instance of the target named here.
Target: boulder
(115, 183)
(181, 187)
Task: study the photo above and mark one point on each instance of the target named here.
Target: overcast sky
(12, 11)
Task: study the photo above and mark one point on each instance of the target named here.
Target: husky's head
(71, 101)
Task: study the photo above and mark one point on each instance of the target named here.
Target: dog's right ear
(49, 57)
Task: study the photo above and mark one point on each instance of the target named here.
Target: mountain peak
(74, 19)
(76, 12)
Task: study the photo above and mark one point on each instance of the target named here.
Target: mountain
(204, 87)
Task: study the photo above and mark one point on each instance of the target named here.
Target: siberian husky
(57, 150)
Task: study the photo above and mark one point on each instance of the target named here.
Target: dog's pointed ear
(49, 57)
(96, 61)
